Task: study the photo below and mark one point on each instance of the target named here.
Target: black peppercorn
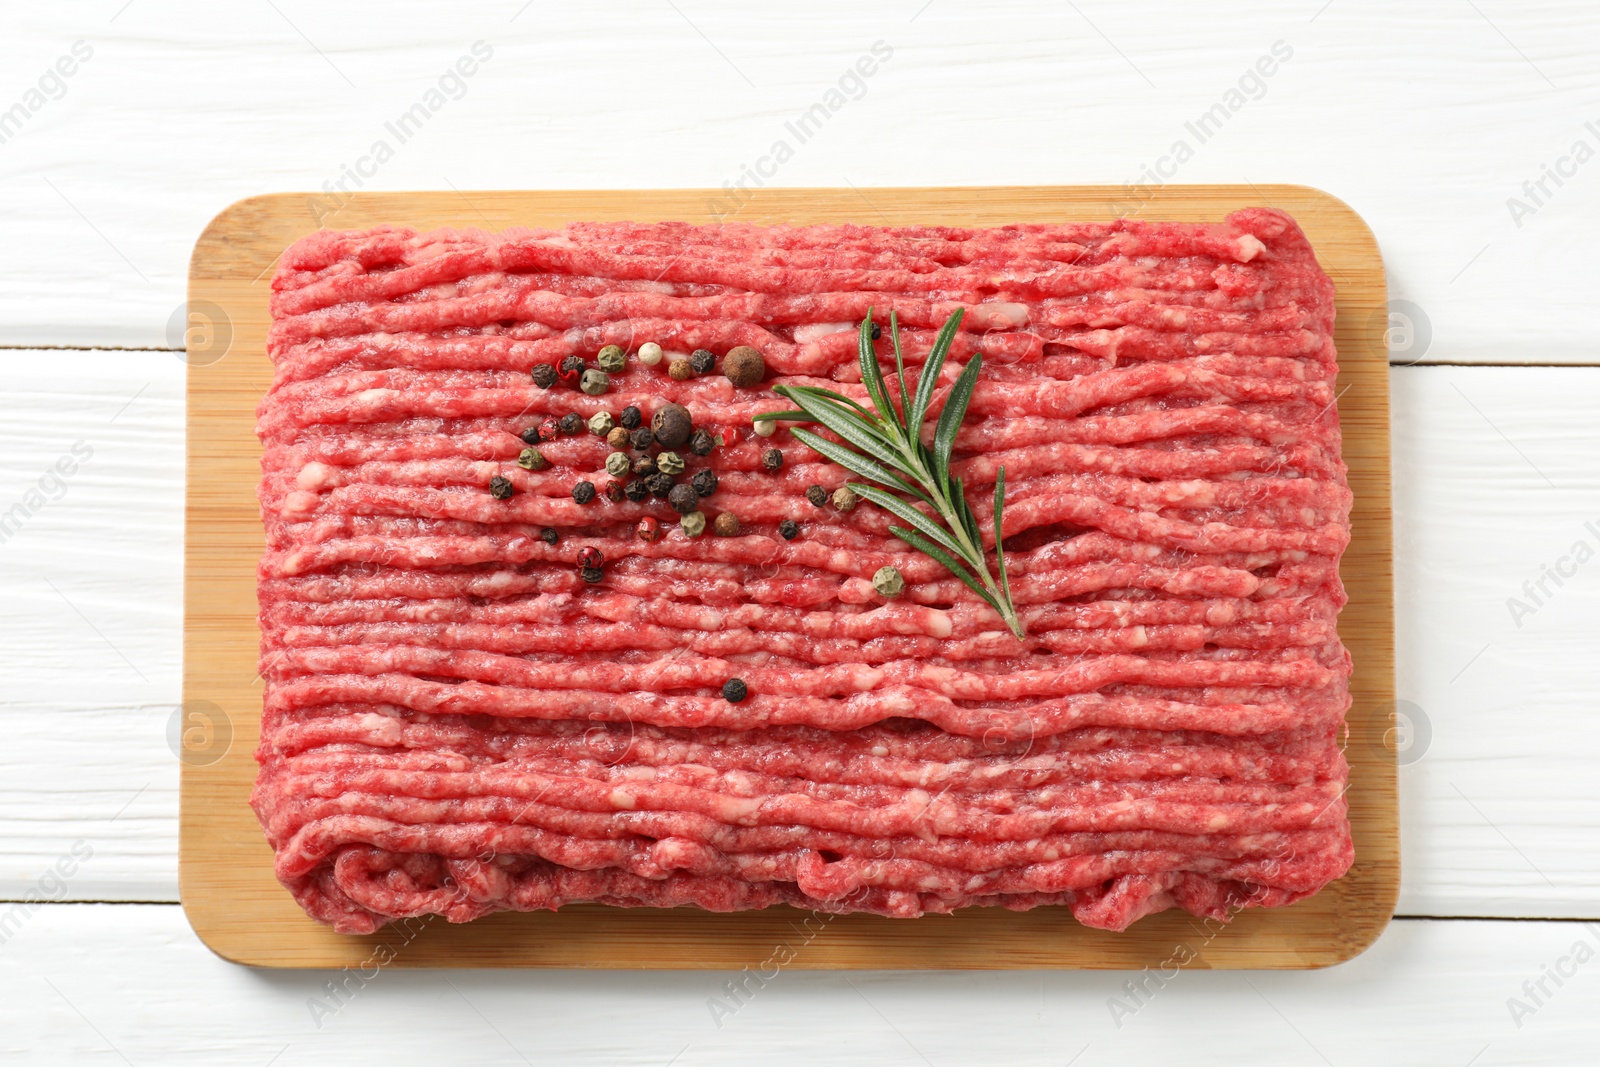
(583, 492)
(789, 529)
(591, 574)
(636, 490)
(734, 690)
(772, 459)
(530, 436)
(701, 361)
(817, 495)
(672, 425)
(500, 488)
(571, 423)
(549, 535)
(644, 466)
(631, 418)
(544, 375)
(572, 365)
(660, 485)
(704, 482)
(701, 443)
(877, 331)
(641, 438)
(683, 499)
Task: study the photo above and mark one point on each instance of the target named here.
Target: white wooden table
(1427, 120)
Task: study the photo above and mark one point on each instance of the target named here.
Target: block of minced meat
(548, 618)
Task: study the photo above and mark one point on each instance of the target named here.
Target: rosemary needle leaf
(999, 548)
(855, 462)
(929, 381)
(955, 409)
(890, 502)
(872, 374)
(915, 540)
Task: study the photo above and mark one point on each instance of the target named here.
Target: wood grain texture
(1426, 117)
(135, 981)
(225, 877)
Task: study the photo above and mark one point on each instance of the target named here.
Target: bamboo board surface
(225, 866)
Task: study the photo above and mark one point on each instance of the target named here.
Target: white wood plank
(1425, 117)
(1499, 813)
(118, 983)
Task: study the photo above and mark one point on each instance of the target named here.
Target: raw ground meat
(455, 723)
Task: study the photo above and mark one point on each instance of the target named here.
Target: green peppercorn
(817, 495)
(544, 375)
(549, 535)
(612, 359)
(644, 466)
(501, 488)
(617, 464)
(683, 499)
(594, 382)
(704, 481)
(888, 582)
(631, 417)
(669, 463)
(601, 423)
(789, 529)
(636, 490)
(583, 492)
(734, 690)
(571, 423)
(532, 459)
(701, 361)
(660, 485)
(693, 524)
(701, 443)
(772, 459)
(642, 438)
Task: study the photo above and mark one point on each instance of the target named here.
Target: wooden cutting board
(225, 867)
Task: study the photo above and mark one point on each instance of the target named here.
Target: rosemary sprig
(886, 447)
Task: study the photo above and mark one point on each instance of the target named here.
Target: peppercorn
(617, 464)
(734, 690)
(612, 359)
(636, 490)
(672, 425)
(650, 353)
(877, 331)
(601, 423)
(727, 525)
(592, 575)
(571, 369)
(660, 485)
(641, 438)
(631, 417)
(530, 436)
(701, 443)
(644, 466)
(683, 499)
(617, 438)
(649, 529)
(844, 498)
(888, 582)
(500, 488)
(789, 529)
(744, 367)
(772, 459)
(701, 361)
(532, 459)
(583, 492)
(549, 535)
(589, 556)
(571, 423)
(594, 382)
(614, 492)
(549, 428)
(693, 524)
(766, 427)
(704, 481)
(669, 463)
(680, 370)
(544, 375)
(817, 495)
